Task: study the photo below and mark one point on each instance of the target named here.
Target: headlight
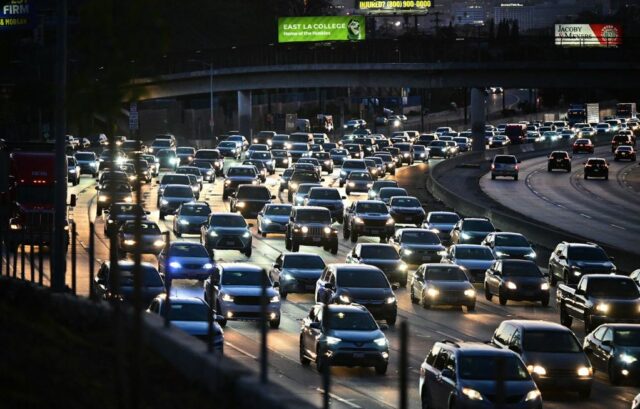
(269, 142)
(255, 182)
(175, 264)
(173, 161)
(576, 271)
(627, 359)
(240, 204)
(304, 229)
(390, 221)
(390, 300)
(500, 253)
(433, 292)
(407, 252)
(381, 342)
(332, 340)
(246, 235)
(532, 395)
(195, 188)
(345, 298)
(72, 171)
(293, 185)
(402, 267)
(285, 160)
(532, 254)
(255, 140)
(164, 202)
(227, 298)
(15, 226)
(442, 253)
(351, 184)
(472, 394)
(129, 242)
(343, 173)
(466, 236)
(358, 220)
(233, 150)
(327, 162)
(369, 185)
(602, 307)
(183, 222)
(266, 220)
(227, 182)
(537, 369)
(470, 293)
(406, 155)
(102, 198)
(327, 230)
(544, 286)
(128, 199)
(275, 298)
(583, 372)
(207, 266)
(213, 234)
(422, 155)
(158, 243)
(511, 285)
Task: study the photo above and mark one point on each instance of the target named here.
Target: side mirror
(97, 187)
(147, 212)
(73, 200)
(383, 327)
(394, 286)
(448, 373)
(607, 343)
(322, 180)
(562, 257)
(612, 259)
(218, 318)
(515, 349)
(157, 182)
(344, 198)
(250, 225)
(315, 325)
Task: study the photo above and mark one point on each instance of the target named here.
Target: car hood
(474, 264)
(237, 179)
(177, 199)
(633, 351)
(381, 262)
(277, 219)
(529, 281)
(514, 251)
(488, 387)
(356, 336)
(240, 290)
(377, 216)
(412, 246)
(592, 264)
(565, 360)
(124, 217)
(358, 293)
(302, 272)
(321, 202)
(443, 227)
(197, 327)
(450, 285)
(400, 209)
(230, 230)
(191, 260)
(194, 219)
(150, 238)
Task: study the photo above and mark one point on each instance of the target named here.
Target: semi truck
(583, 113)
(626, 110)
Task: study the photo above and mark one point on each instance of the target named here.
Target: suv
(379, 184)
(172, 197)
(504, 165)
(226, 231)
(212, 156)
(559, 160)
(250, 199)
(328, 197)
(190, 217)
(406, 152)
(311, 226)
(465, 375)
(442, 284)
(519, 280)
(239, 175)
(383, 256)
(625, 152)
(596, 167)
(570, 261)
(418, 245)
(297, 272)
(171, 179)
(406, 209)
(368, 218)
(119, 213)
(298, 177)
(351, 165)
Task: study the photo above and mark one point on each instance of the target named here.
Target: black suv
(250, 199)
(368, 218)
(596, 167)
(570, 261)
(298, 177)
(559, 160)
(383, 256)
(311, 226)
(519, 280)
(239, 175)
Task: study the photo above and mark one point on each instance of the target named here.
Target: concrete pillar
(478, 115)
(244, 113)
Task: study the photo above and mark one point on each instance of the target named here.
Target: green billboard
(327, 28)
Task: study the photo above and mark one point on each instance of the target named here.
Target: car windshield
(627, 337)
(145, 228)
(254, 192)
(261, 155)
(287, 172)
(281, 138)
(185, 151)
(258, 164)
(405, 202)
(188, 171)
(420, 237)
(304, 189)
(178, 191)
(115, 187)
(279, 154)
(360, 176)
(125, 209)
(505, 159)
(242, 277)
(354, 165)
(227, 144)
(188, 250)
(550, 341)
(474, 253)
(227, 220)
(313, 216)
(520, 269)
(360, 278)
(338, 152)
(445, 274)
(385, 183)
(305, 261)
(278, 210)
(85, 156)
(511, 240)
(198, 312)
(486, 368)
(587, 254)
(237, 138)
(371, 207)
(444, 218)
(150, 278)
(241, 172)
(175, 180)
(438, 143)
(381, 252)
(208, 154)
(352, 321)
(477, 225)
(324, 194)
(202, 164)
(596, 162)
(559, 155)
(162, 143)
(611, 287)
(299, 147)
(392, 191)
(624, 148)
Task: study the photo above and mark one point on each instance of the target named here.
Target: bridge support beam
(478, 117)
(244, 113)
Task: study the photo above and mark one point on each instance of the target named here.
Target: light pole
(210, 67)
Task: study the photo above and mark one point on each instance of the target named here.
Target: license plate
(229, 242)
(317, 239)
(425, 258)
(408, 218)
(375, 231)
(358, 355)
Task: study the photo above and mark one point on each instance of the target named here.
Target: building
(545, 15)
(468, 14)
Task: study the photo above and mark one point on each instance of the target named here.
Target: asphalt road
(351, 387)
(607, 211)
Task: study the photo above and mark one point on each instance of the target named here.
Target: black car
(351, 165)
(250, 199)
(296, 272)
(297, 178)
(406, 210)
(355, 151)
(596, 168)
(509, 246)
(119, 213)
(285, 177)
(167, 159)
(112, 192)
(383, 256)
(389, 162)
(471, 230)
(311, 226)
(386, 193)
(281, 158)
(406, 152)
(559, 160)
(570, 261)
(519, 280)
(438, 149)
(379, 184)
(325, 161)
(368, 218)
(229, 149)
(239, 175)
(106, 288)
(361, 284)
(213, 156)
(442, 284)
(190, 217)
(260, 167)
(226, 231)
(206, 169)
(615, 350)
(418, 246)
(338, 156)
(328, 197)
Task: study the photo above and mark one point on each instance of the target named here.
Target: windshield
(405, 202)
(227, 144)
(106, 188)
(443, 218)
(612, 288)
(85, 156)
(278, 210)
(511, 240)
(324, 194)
(261, 155)
(352, 321)
(354, 165)
(145, 228)
(384, 183)
(338, 152)
(559, 155)
(299, 147)
(150, 278)
(188, 250)
(520, 269)
(439, 144)
(474, 253)
(242, 277)
(477, 225)
(362, 279)
(227, 220)
(303, 261)
(390, 192)
(198, 312)
(371, 207)
(420, 237)
(313, 216)
(188, 171)
(279, 154)
(550, 341)
(627, 337)
(381, 252)
(241, 172)
(125, 209)
(178, 191)
(486, 368)
(185, 151)
(360, 176)
(35, 194)
(254, 192)
(505, 159)
(175, 180)
(195, 210)
(281, 138)
(256, 163)
(305, 188)
(208, 154)
(165, 143)
(445, 274)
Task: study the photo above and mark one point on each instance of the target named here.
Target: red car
(583, 145)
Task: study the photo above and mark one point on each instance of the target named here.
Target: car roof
(346, 266)
(316, 208)
(537, 325)
(469, 246)
(240, 266)
(477, 348)
(622, 326)
(182, 299)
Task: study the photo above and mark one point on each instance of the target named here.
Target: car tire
(424, 397)
(381, 369)
(502, 299)
(225, 196)
(345, 232)
(403, 282)
(289, 196)
(471, 307)
(393, 172)
(274, 324)
(412, 296)
(340, 219)
(384, 239)
(515, 177)
(161, 216)
(487, 293)
(565, 319)
(321, 361)
(98, 211)
(585, 176)
(304, 361)
(334, 248)
(248, 252)
(341, 184)
(614, 376)
(424, 303)
(295, 246)
(549, 168)
(347, 192)
(552, 278)
(606, 177)
(493, 177)
(588, 325)
(391, 320)
(545, 301)
(569, 169)
(287, 243)
(283, 294)
(263, 234)
(177, 233)
(353, 235)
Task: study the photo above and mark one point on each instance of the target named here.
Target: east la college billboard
(16, 14)
(588, 35)
(327, 28)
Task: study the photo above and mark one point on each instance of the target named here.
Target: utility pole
(436, 20)
(58, 272)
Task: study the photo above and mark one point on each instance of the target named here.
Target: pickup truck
(599, 299)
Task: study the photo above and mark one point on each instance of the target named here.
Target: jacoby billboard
(588, 35)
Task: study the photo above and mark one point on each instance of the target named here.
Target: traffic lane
(558, 199)
(631, 178)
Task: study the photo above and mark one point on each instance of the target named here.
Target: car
(509, 246)
(373, 168)
(583, 145)
(471, 230)
(185, 260)
(438, 149)
(351, 165)
(110, 159)
(303, 192)
(406, 209)
(171, 179)
(614, 349)
(374, 190)
(264, 137)
(285, 177)
(299, 177)
(229, 149)
(191, 315)
(185, 154)
(464, 143)
(112, 176)
(567, 134)
(368, 218)
(570, 261)
(73, 171)
(388, 161)
(625, 152)
(473, 258)
(190, 217)
(367, 143)
(160, 144)
(250, 199)
(241, 142)
(358, 283)
(132, 175)
(237, 289)
(441, 223)
(519, 280)
(260, 167)
(356, 151)
(119, 213)
(386, 193)
(214, 157)
(505, 166)
(312, 161)
(239, 175)
(358, 181)
(588, 132)
(88, 163)
(380, 166)
(311, 226)
(296, 272)
(343, 335)
(466, 374)
(151, 284)
(327, 147)
(443, 130)
(112, 192)
(281, 158)
(226, 231)
(142, 170)
(406, 152)
(420, 153)
(297, 150)
(325, 160)
(167, 159)
(172, 197)
(499, 141)
(559, 160)
(442, 284)
(338, 156)
(151, 239)
(133, 145)
(328, 197)
(416, 246)
(395, 154)
(273, 218)
(383, 256)
(603, 128)
(279, 141)
(552, 353)
(194, 171)
(596, 167)
(265, 157)
(152, 162)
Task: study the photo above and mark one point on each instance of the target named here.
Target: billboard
(394, 6)
(16, 14)
(588, 35)
(326, 28)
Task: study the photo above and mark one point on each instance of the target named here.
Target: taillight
(517, 167)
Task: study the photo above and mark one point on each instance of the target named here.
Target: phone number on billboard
(394, 4)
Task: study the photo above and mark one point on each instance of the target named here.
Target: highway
(351, 387)
(606, 211)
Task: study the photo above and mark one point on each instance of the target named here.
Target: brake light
(517, 167)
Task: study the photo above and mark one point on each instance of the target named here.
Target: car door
(578, 305)
(310, 334)
(449, 382)
(320, 285)
(440, 387)
(605, 347)
(593, 348)
(418, 282)
(554, 259)
(493, 277)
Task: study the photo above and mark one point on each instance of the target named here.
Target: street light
(210, 67)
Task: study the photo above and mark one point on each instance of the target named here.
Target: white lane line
(341, 400)
(560, 206)
(242, 351)
(585, 215)
(449, 336)
(618, 227)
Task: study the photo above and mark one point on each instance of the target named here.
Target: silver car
(172, 197)
(442, 284)
(151, 240)
(505, 165)
(185, 260)
(473, 258)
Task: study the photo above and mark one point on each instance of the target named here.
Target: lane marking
(242, 351)
(586, 215)
(618, 227)
(339, 399)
